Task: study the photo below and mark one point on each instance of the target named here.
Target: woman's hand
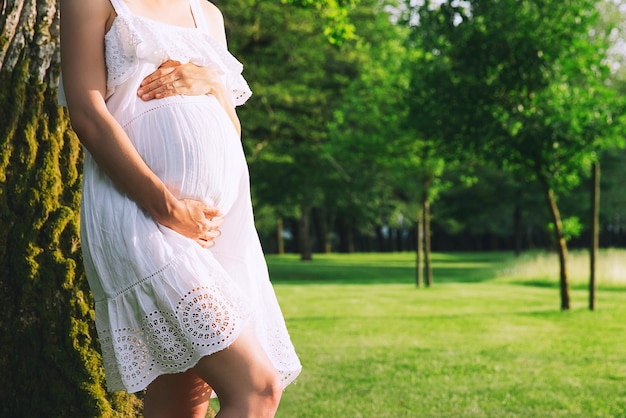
(196, 220)
(173, 78)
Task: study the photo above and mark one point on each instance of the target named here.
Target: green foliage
(572, 227)
(367, 123)
(613, 194)
(49, 365)
(338, 27)
(526, 89)
(313, 103)
(284, 121)
(482, 199)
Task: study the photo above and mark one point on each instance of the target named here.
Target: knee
(272, 392)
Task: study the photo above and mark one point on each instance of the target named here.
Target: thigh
(176, 395)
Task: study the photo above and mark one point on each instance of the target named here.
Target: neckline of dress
(169, 25)
(130, 13)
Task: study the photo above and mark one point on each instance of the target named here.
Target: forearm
(224, 98)
(232, 114)
(114, 153)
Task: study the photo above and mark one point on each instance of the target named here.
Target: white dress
(162, 301)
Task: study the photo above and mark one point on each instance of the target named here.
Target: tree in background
(366, 126)
(316, 107)
(338, 27)
(427, 152)
(297, 77)
(526, 90)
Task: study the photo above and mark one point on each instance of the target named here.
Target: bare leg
(176, 396)
(243, 378)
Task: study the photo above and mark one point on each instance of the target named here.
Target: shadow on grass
(396, 268)
(553, 284)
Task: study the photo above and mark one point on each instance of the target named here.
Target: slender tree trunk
(380, 239)
(595, 232)
(342, 232)
(49, 365)
(419, 268)
(391, 239)
(327, 222)
(280, 239)
(350, 237)
(561, 245)
(304, 235)
(517, 226)
(428, 274)
(346, 235)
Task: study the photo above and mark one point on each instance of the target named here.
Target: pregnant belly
(191, 144)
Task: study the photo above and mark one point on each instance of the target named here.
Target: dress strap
(198, 15)
(120, 7)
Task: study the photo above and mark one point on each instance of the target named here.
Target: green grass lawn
(482, 342)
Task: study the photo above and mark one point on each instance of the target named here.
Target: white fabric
(162, 301)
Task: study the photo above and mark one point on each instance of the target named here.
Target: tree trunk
(595, 231)
(517, 226)
(304, 234)
(326, 222)
(419, 268)
(350, 238)
(346, 235)
(391, 239)
(49, 365)
(428, 274)
(280, 239)
(561, 246)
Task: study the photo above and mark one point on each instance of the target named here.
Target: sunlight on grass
(455, 350)
(487, 340)
(611, 270)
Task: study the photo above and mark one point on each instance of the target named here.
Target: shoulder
(215, 20)
(93, 11)
(211, 10)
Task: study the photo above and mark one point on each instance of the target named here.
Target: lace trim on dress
(203, 320)
(134, 38)
(165, 342)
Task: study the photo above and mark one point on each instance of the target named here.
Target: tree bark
(49, 365)
(561, 246)
(428, 274)
(595, 232)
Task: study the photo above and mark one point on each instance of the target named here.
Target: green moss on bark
(49, 363)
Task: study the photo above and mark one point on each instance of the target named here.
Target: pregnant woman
(184, 306)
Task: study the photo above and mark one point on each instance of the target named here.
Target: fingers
(163, 82)
(173, 78)
(211, 211)
(162, 87)
(160, 72)
(208, 219)
(208, 240)
(164, 69)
